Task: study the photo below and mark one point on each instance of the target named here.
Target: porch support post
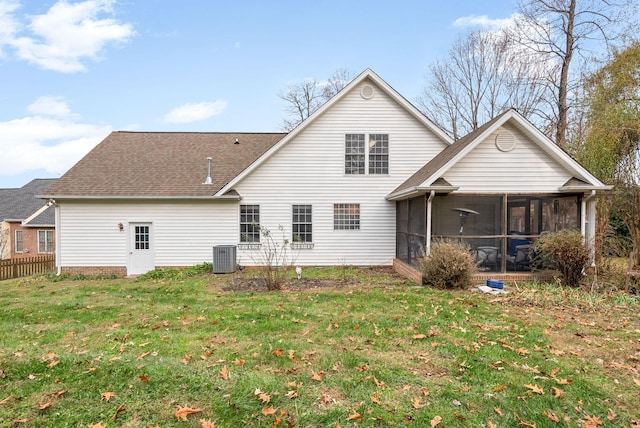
(428, 225)
(588, 221)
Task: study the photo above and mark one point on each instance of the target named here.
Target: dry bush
(567, 251)
(450, 265)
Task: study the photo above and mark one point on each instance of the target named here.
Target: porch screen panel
(402, 226)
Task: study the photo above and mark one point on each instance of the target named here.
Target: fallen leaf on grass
(224, 373)
(6, 400)
(557, 392)
(317, 376)
(47, 404)
(207, 424)
(549, 414)
(591, 421)
(98, 425)
(106, 396)
(182, 412)
(636, 381)
(419, 336)
(268, 411)
(417, 403)
(144, 378)
(436, 421)
(291, 394)
(535, 388)
(611, 415)
(354, 417)
(524, 423)
(118, 411)
(498, 410)
(499, 388)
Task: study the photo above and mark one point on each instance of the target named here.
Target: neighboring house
(366, 180)
(27, 223)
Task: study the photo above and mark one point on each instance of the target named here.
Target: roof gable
(18, 204)
(425, 178)
(161, 164)
(367, 75)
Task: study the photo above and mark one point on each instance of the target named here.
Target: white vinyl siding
(184, 233)
(525, 169)
(310, 169)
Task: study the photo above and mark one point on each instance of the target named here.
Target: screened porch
(499, 230)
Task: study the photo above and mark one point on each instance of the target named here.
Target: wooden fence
(16, 268)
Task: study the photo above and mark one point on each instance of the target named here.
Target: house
(366, 180)
(27, 223)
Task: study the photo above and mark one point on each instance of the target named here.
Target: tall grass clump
(450, 265)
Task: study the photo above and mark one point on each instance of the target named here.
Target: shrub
(567, 250)
(450, 265)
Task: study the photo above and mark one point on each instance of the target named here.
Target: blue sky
(73, 71)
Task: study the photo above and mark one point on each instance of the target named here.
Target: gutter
(36, 214)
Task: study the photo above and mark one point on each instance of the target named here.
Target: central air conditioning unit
(224, 259)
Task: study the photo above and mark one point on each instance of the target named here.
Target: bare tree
(569, 29)
(483, 75)
(305, 97)
(4, 240)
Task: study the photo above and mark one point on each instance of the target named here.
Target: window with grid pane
(346, 216)
(301, 224)
(378, 153)
(354, 154)
(249, 223)
(19, 244)
(141, 237)
(45, 241)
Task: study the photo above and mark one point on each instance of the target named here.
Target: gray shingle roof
(162, 164)
(18, 204)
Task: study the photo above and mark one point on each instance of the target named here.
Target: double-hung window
(19, 242)
(301, 224)
(346, 216)
(366, 152)
(249, 223)
(45, 241)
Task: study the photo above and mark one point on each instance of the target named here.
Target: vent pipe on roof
(237, 142)
(208, 179)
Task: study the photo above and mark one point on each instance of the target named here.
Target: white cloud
(50, 106)
(193, 112)
(66, 35)
(51, 138)
(8, 25)
(484, 21)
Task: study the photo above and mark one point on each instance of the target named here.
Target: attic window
(367, 92)
(505, 141)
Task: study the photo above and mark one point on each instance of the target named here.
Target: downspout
(428, 234)
(57, 223)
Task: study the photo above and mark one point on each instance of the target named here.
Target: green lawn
(375, 351)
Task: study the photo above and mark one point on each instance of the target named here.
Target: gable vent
(505, 141)
(367, 92)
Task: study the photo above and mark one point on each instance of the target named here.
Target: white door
(140, 249)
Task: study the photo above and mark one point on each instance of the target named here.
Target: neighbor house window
(354, 154)
(346, 216)
(249, 223)
(360, 156)
(45, 241)
(19, 244)
(378, 153)
(301, 223)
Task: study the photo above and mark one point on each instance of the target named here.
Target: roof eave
(145, 198)
(579, 189)
(418, 190)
